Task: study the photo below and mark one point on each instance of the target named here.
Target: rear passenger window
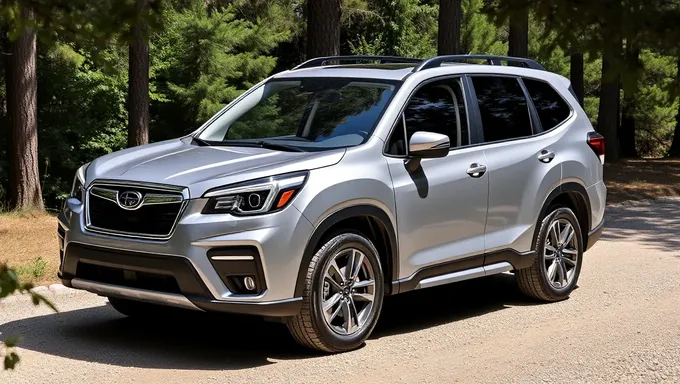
(503, 108)
(550, 106)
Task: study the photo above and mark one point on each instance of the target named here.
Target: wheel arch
(571, 195)
(370, 221)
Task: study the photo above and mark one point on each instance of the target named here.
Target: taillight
(596, 143)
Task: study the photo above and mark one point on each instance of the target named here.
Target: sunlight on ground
(28, 242)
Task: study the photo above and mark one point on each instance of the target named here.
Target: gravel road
(622, 324)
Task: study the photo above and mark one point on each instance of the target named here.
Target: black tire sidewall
(331, 339)
(567, 214)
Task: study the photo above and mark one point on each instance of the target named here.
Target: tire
(136, 309)
(540, 280)
(310, 327)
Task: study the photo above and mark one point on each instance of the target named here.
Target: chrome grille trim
(97, 188)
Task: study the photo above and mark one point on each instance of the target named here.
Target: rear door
(522, 165)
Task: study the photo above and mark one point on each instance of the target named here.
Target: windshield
(304, 114)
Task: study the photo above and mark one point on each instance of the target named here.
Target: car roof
(362, 71)
(399, 71)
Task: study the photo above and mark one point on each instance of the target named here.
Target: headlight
(255, 197)
(79, 183)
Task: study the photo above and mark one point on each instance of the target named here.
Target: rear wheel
(343, 295)
(559, 250)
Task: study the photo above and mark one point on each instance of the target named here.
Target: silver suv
(324, 188)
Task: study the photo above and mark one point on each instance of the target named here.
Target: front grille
(155, 217)
(128, 278)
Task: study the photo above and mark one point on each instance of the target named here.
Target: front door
(441, 206)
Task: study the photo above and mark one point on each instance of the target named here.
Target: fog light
(249, 283)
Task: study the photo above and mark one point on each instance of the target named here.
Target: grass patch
(34, 270)
(29, 245)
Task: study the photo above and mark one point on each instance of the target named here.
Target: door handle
(546, 156)
(476, 170)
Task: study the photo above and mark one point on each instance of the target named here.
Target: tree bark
(518, 43)
(577, 77)
(675, 146)
(450, 13)
(627, 128)
(608, 115)
(22, 110)
(138, 83)
(323, 28)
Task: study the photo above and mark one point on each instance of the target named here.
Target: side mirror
(427, 145)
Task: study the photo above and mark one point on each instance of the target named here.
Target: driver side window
(437, 107)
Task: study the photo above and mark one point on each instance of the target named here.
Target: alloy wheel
(560, 254)
(347, 291)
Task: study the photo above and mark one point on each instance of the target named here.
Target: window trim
(410, 96)
(571, 108)
(536, 126)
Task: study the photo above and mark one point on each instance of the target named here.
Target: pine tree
(22, 106)
(206, 59)
(450, 12)
(518, 35)
(576, 75)
(675, 145)
(323, 27)
(138, 81)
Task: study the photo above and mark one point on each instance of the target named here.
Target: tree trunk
(323, 28)
(138, 83)
(450, 13)
(675, 147)
(608, 115)
(22, 109)
(519, 33)
(627, 129)
(576, 76)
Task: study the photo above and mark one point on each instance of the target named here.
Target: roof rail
(320, 61)
(437, 61)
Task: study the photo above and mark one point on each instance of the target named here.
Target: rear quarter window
(552, 109)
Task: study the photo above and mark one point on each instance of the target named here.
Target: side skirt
(469, 268)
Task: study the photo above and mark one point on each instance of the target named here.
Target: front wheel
(342, 297)
(559, 256)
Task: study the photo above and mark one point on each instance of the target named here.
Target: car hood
(179, 162)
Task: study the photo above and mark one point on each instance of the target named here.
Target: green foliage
(81, 115)
(9, 284)
(35, 269)
(655, 109)
(398, 27)
(203, 60)
(478, 34)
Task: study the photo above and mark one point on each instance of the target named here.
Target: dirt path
(621, 325)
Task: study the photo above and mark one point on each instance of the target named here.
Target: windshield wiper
(280, 147)
(262, 144)
(200, 142)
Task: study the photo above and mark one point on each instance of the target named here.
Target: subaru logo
(130, 200)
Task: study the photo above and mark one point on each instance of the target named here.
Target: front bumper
(183, 271)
